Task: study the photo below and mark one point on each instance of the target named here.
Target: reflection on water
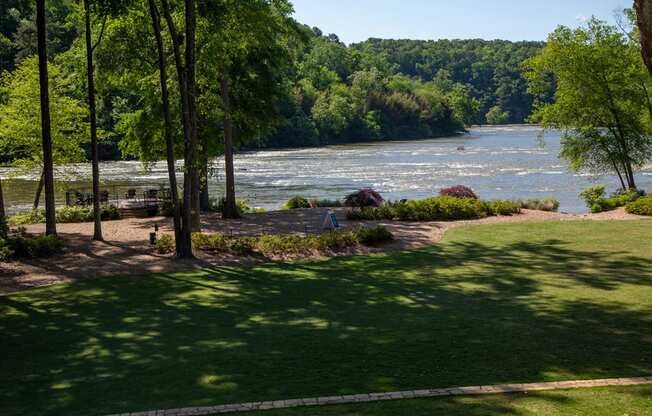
(505, 162)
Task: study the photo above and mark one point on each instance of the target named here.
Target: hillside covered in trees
(322, 90)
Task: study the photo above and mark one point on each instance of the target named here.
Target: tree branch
(99, 39)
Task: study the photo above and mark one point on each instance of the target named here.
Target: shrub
(297, 202)
(65, 215)
(217, 205)
(545, 204)
(164, 244)
(325, 203)
(6, 252)
(4, 228)
(34, 246)
(597, 202)
(593, 194)
(364, 198)
(209, 242)
(270, 244)
(373, 236)
(441, 208)
(501, 207)
(242, 245)
(642, 206)
(335, 240)
(459, 191)
(35, 216)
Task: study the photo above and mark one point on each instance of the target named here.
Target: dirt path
(126, 249)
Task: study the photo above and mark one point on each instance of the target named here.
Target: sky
(358, 20)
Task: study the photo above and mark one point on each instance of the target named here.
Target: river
(497, 162)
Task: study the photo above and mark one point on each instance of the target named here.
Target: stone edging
(398, 395)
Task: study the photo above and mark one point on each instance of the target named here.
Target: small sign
(330, 221)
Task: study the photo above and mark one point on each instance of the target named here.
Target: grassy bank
(490, 304)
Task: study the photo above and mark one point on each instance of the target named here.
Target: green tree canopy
(602, 101)
(20, 125)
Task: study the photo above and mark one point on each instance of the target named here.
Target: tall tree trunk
(629, 173)
(97, 214)
(644, 20)
(204, 196)
(620, 176)
(3, 216)
(188, 152)
(230, 206)
(39, 190)
(46, 135)
(169, 143)
(192, 111)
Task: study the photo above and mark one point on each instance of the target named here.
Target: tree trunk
(230, 206)
(97, 214)
(39, 190)
(3, 216)
(629, 173)
(46, 135)
(169, 143)
(620, 176)
(192, 111)
(644, 21)
(189, 163)
(204, 196)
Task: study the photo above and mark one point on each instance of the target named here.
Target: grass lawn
(490, 304)
(611, 401)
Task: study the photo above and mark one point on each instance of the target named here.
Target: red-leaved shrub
(459, 191)
(364, 198)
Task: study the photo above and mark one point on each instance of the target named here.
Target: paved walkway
(398, 395)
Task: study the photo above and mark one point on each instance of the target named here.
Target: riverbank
(126, 250)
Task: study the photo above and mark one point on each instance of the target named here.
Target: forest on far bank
(320, 91)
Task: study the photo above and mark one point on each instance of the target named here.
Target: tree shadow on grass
(461, 313)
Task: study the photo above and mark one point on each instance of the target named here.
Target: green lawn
(612, 401)
(490, 304)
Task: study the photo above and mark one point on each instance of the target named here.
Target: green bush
(500, 207)
(242, 246)
(297, 202)
(545, 204)
(4, 227)
(593, 194)
(65, 215)
(336, 240)
(221, 244)
(325, 203)
(373, 236)
(6, 252)
(22, 245)
(440, 208)
(271, 244)
(217, 205)
(597, 202)
(164, 244)
(642, 206)
(35, 216)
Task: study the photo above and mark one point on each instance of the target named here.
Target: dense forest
(324, 91)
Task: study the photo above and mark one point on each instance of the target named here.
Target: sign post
(330, 221)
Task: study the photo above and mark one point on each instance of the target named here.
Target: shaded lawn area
(490, 304)
(610, 401)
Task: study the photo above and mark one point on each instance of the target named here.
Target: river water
(497, 162)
